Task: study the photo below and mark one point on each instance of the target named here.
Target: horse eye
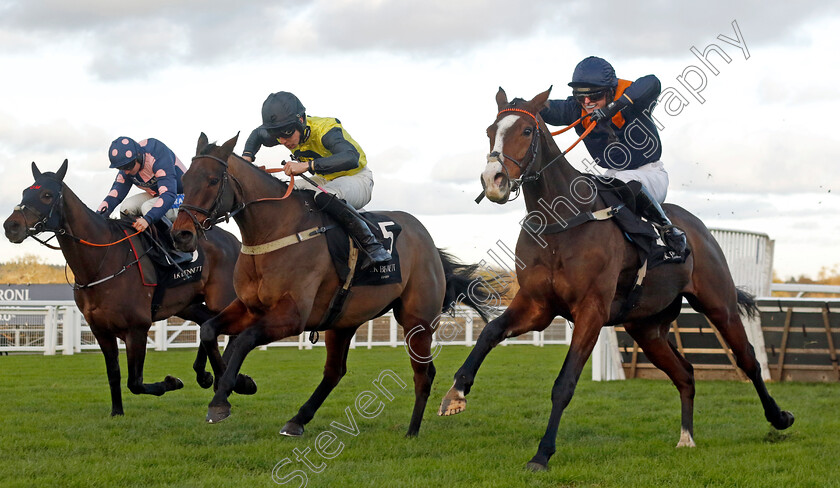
(527, 131)
(214, 181)
(47, 196)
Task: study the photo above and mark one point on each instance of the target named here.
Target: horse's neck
(558, 182)
(79, 221)
(261, 222)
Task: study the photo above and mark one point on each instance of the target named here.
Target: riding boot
(351, 221)
(649, 208)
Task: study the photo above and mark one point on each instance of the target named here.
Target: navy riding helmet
(123, 151)
(594, 72)
(283, 109)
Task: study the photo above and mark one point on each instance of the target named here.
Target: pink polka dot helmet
(124, 151)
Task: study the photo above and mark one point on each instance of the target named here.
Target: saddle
(344, 253)
(636, 230)
(160, 264)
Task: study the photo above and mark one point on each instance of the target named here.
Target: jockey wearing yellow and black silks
(322, 147)
(625, 141)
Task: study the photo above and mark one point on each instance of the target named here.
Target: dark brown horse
(109, 290)
(285, 289)
(585, 273)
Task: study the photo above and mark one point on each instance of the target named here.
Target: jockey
(321, 146)
(151, 166)
(625, 140)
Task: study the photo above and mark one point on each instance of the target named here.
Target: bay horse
(109, 290)
(286, 291)
(585, 273)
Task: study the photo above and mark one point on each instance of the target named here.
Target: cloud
(134, 40)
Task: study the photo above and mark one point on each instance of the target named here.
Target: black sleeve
(344, 155)
(561, 112)
(258, 138)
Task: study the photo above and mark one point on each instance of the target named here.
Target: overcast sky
(414, 83)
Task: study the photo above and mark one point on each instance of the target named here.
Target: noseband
(212, 215)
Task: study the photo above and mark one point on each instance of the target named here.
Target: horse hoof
(454, 402)
(784, 421)
(117, 413)
(216, 414)
(204, 379)
(292, 429)
(172, 383)
(245, 385)
(535, 467)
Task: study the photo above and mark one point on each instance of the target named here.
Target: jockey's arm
(561, 112)
(118, 192)
(344, 155)
(259, 137)
(167, 186)
(643, 92)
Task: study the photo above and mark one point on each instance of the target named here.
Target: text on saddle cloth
(387, 231)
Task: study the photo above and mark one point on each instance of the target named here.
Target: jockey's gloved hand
(103, 211)
(609, 111)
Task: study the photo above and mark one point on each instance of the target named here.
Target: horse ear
(227, 148)
(540, 101)
(36, 173)
(501, 98)
(202, 143)
(62, 171)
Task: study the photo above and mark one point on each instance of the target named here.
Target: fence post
(50, 331)
(370, 333)
(160, 335)
(393, 330)
(68, 329)
(468, 328)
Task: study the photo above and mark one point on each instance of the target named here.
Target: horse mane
(211, 147)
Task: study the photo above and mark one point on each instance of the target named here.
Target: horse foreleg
(226, 322)
(135, 351)
(108, 345)
(455, 400)
(337, 342)
(219, 408)
(583, 341)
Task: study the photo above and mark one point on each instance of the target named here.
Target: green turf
(55, 429)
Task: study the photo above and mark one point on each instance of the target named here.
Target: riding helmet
(282, 109)
(594, 72)
(123, 151)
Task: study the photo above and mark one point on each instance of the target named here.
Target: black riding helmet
(283, 109)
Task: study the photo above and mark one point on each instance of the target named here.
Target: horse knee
(136, 386)
(207, 333)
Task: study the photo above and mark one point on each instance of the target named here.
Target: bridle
(213, 215)
(527, 171)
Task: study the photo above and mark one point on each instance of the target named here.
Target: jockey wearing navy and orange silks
(322, 147)
(625, 140)
(151, 166)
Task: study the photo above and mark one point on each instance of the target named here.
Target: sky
(414, 83)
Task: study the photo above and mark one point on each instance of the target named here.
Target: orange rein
(289, 188)
(564, 129)
(93, 244)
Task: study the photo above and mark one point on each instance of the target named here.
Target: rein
(211, 218)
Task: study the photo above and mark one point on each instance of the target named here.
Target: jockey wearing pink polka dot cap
(151, 166)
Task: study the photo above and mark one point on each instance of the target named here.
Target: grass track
(55, 429)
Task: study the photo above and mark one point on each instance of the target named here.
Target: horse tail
(746, 303)
(463, 284)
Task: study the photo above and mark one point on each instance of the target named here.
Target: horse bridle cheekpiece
(213, 216)
(50, 219)
(526, 171)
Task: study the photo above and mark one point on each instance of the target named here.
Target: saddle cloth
(387, 231)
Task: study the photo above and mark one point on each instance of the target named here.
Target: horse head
(209, 194)
(37, 211)
(514, 144)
